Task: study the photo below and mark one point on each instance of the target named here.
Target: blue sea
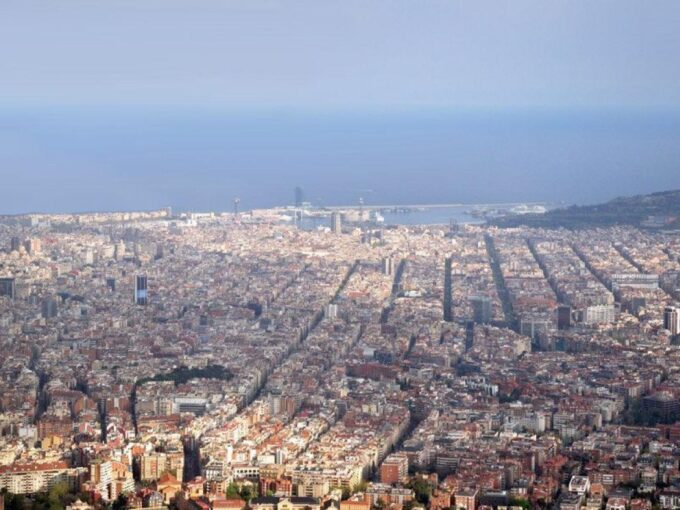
(61, 159)
(459, 214)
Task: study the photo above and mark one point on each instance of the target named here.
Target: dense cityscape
(339, 255)
(235, 360)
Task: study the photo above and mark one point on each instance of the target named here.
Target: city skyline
(237, 360)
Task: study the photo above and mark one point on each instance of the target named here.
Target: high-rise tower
(49, 307)
(299, 196)
(469, 335)
(563, 317)
(7, 287)
(336, 222)
(671, 320)
(448, 291)
(481, 309)
(141, 290)
(15, 243)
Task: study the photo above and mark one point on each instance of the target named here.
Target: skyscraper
(33, 246)
(119, 252)
(299, 196)
(331, 311)
(49, 308)
(448, 290)
(388, 266)
(469, 335)
(563, 317)
(481, 309)
(336, 222)
(7, 287)
(15, 243)
(671, 320)
(141, 290)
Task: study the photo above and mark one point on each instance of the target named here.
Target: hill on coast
(656, 210)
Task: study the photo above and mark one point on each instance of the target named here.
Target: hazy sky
(137, 104)
(346, 54)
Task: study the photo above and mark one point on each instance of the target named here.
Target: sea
(96, 159)
(461, 214)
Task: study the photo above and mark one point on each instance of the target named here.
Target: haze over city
(357, 255)
(145, 104)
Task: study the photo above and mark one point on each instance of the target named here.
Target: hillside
(657, 210)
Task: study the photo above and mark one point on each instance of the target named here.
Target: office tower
(448, 290)
(599, 314)
(469, 334)
(637, 304)
(671, 320)
(331, 311)
(336, 223)
(49, 308)
(15, 244)
(481, 309)
(299, 196)
(394, 468)
(32, 246)
(563, 317)
(101, 476)
(111, 284)
(453, 227)
(141, 290)
(160, 251)
(7, 287)
(388, 266)
(119, 251)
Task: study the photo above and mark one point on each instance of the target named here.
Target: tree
(179, 502)
(520, 502)
(232, 491)
(422, 489)
(120, 503)
(55, 496)
(14, 501)
(248, 492)
(360, 487)
(85, 497)
(346, 493)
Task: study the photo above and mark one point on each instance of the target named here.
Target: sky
(383, 88)
(349, 54)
